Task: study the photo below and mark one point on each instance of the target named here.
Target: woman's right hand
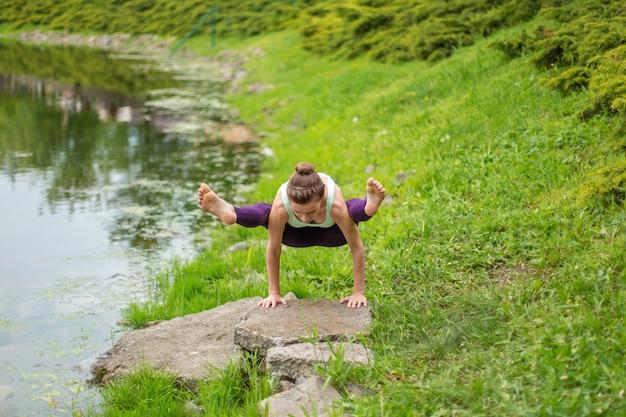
(271, 301)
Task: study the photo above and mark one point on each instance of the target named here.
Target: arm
(340, 214)
(276, 226)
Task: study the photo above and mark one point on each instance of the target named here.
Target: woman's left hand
(356, 300)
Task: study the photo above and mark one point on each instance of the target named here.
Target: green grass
(495, 291)
(146, 393)
(237, 389)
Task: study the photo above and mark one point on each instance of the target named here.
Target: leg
(253, 216)
(356, 209)
(363, 209)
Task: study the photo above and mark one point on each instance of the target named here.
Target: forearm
(357, 251)
(273, 270)
(358, 270)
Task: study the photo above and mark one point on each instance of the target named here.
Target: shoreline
(230, 64)
(116, 41)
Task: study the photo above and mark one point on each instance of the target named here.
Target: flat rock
(298, 321)
(187, 346)
(293, 361)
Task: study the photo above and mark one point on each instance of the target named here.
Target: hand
(272, 300)
(356, 300)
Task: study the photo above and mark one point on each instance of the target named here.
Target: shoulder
(279, 212)
(339, 209)
(338, 196)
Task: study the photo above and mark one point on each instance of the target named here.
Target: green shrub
(581, 48)
(514, 46)
(397, 32)
(606, 185)
(575, 78)
(506, 15)
(608, 82)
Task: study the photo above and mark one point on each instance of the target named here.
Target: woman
(308, 210)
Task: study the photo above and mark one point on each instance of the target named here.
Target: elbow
(357, 248)
(273, 251)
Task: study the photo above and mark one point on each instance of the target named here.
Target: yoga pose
(308, 210)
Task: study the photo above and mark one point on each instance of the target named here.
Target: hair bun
(305, 168)
(305, 184)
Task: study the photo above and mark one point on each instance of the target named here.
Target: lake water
(100, 158)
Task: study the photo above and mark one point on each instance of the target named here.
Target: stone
(187, 346)
(192, 409)
(293, 361)
(192, 346)
(311, 398)
(238, 134)
(299, 321)
(285, 386)
(290, 296)
(239, 246)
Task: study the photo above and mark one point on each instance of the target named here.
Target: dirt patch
(508, 274)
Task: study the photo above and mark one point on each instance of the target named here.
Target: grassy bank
(497, 283)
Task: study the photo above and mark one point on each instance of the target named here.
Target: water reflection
(100, 158)
(70, 138)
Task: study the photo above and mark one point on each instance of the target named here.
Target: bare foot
(375, 196)
(214, 204)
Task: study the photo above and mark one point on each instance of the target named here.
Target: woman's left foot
(375, 195)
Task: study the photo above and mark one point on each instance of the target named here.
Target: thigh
(253, 216)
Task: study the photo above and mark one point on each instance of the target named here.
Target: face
(306, 212)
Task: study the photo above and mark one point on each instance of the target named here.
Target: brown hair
(305, 184)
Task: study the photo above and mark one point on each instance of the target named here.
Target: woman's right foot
(214, 204)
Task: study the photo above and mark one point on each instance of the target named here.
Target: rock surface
(311, 398)
(288, 362)
(292, 338)
(298, 321)
(187, 345)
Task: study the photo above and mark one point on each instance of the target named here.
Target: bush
(606, 185)
(608, 82)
